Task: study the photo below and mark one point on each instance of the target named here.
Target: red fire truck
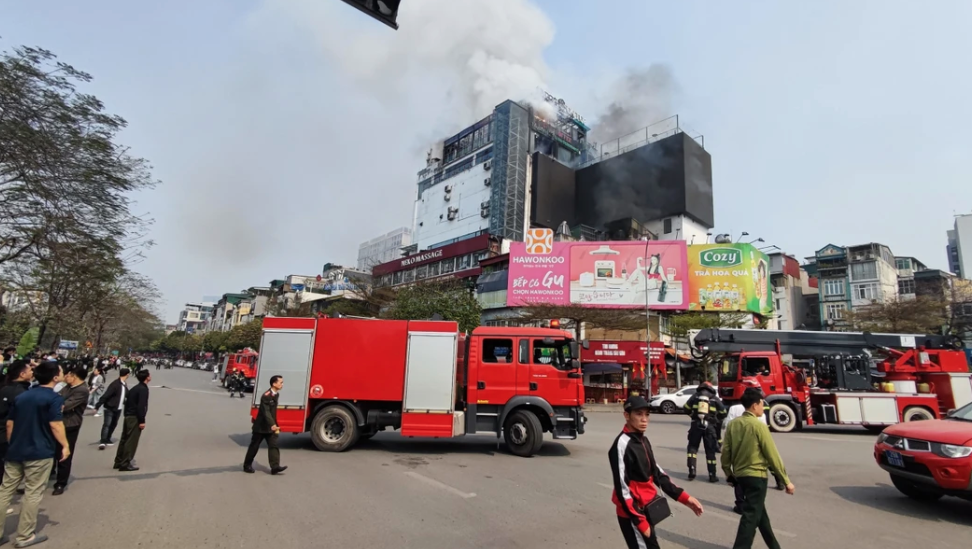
(846, 378)
(346, 379)
(245, 361)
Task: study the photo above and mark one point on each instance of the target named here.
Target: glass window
(448, 265)
(864, 271)
(409, 275)
(554, 354)
(398, 277)
(906, 286)
(834, 287)
(687, 392)
(464, 262)
(868, 291)
(524, 351)
(433, 270)
(667, 225)
(729, 369)
(753, 366)
(835, 311)
(422, 272)
(498, 351)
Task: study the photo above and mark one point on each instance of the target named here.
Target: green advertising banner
(729, 277)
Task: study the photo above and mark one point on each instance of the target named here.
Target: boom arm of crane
(805, 343)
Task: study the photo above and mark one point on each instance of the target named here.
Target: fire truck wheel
(334, 429)
(782, 418)
(912, 490)
(916, 413)
(523, 433)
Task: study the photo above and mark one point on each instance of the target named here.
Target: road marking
(437, 484)
(831, 439)
(723, 516)
(187, 390)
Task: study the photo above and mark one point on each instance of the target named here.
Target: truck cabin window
(556, 354)
(729, 368)
(755, 366)
(498, 351)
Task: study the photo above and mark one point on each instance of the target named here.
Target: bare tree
(921, 315)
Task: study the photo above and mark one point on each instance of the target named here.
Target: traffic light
(385, 11)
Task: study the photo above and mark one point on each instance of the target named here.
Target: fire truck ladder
(804, 343)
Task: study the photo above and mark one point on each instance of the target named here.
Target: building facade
(383, 249)
(791, 286)
(907, 268)
(851, 277)
(959, 248)
(195, 317)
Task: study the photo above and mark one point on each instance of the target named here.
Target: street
(393, 493)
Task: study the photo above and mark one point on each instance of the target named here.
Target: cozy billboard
(729, 277)
(599, 274)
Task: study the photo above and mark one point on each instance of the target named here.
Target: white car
(672, 402)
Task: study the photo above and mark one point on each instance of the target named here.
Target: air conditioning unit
(486, 181)
(487, 165)
(447, 197)
(484, 205)
(484, 213)
(448, 188)
(452, 215)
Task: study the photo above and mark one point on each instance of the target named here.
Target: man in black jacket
(75, 395)
(265, 428)
(114, 402)
(136, 407)
(19, 376)
(637, 478)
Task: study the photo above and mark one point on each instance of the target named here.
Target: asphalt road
(395, 493)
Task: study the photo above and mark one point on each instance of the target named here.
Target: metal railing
(653, 132)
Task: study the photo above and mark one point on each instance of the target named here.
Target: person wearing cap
(748, 456)
(637, 478)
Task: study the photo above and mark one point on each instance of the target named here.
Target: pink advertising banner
(599, 274)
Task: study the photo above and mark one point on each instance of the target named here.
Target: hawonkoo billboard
(627, 274)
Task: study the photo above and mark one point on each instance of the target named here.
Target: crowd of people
(43, 400)
(749, 457)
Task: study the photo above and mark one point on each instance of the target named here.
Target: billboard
(729, 277)
(598, 274)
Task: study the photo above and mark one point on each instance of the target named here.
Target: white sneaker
(111, 444)
(101, 446)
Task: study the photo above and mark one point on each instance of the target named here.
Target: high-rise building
(531, 165)
(959, 248)
(383, 249)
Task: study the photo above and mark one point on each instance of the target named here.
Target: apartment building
(853, 276)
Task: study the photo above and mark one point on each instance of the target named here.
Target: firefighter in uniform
(707, 413)
(237, 383)
(265, 428)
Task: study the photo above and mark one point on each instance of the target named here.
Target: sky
(286, 132)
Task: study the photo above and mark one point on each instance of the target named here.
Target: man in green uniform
(748, 453)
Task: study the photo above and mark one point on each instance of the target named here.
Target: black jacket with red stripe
(637, 477)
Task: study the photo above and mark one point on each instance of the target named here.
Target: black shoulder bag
(657, 509)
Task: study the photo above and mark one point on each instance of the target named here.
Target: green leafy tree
(450, 299)
(245, 335)
(28, 342)
(681, 326)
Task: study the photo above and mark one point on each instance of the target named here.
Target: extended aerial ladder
(862, 378)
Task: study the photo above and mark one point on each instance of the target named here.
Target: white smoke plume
(464, 56)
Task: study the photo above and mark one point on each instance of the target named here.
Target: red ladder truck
(346, 379)
(845, 378)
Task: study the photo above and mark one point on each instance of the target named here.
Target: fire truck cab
(846, 378)
(348, 379)
(244, 361)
